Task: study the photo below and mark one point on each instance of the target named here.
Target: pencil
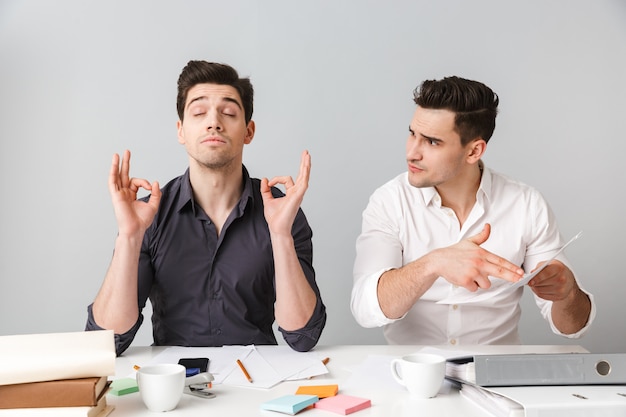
(243, 369)
(325, 361)
(136, 367)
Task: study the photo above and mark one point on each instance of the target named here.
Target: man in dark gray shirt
(220, 255)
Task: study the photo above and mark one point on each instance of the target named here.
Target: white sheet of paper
(464, 296)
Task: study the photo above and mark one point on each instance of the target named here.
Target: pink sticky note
(343, 404)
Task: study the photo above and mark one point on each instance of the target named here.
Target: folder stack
(530, 384)
(60, 374)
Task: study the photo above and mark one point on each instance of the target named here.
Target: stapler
(199, 384)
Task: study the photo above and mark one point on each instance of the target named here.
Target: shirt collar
(431, 196)
(185, 197)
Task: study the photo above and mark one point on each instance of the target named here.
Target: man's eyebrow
(227, 99)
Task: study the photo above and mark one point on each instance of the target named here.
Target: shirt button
(455, 286)
(455, 307)
(218, 331)
(453, 341)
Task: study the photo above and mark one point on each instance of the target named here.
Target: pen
(243, 369)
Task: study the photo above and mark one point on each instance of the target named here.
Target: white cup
(421, 373)
(161, 386)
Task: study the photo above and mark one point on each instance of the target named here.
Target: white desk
(243, 402)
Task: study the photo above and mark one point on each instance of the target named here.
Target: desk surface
(241, 401)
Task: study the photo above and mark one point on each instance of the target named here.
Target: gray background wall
(80, 80)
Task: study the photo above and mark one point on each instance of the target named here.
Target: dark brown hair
(203, 72)
(474, 104)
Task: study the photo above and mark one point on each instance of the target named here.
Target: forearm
(295, 299)
(571, 314)
(116, 307)
(398, 289)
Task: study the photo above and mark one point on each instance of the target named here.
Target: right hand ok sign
(133, 216)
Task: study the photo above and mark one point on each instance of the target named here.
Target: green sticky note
(123, 386)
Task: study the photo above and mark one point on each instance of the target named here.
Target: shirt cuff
(365, 306)
(122, 341)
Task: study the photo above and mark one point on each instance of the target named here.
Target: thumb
(481, 237)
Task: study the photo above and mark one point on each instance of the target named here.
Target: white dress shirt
(402, 223)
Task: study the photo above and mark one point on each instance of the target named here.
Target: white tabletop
(240, 401)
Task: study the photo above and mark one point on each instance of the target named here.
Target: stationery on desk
(265, 366)
(324, 397)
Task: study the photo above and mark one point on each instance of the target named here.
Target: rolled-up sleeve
(378, 249)
(122, 341)
(304, 339)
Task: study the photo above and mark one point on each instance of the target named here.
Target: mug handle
(394, 372)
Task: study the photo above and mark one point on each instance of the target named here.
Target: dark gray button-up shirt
(210, 290)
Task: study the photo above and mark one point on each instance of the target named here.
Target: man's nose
(213, 121)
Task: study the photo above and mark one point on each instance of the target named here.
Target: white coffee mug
(161, 386)
(421, 373)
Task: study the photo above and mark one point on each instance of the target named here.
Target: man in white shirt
(450, 224)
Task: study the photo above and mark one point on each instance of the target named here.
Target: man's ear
(181, 135)
(476, 149)
(249, 132)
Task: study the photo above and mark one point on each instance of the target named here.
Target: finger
(305, 169)
(481, 237)
(266, 192)
(155, 195)
(114, 177)
(134, 184)
(286, 180)
(124, 178)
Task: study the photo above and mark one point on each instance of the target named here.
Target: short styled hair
(203, 72)
(475, 105)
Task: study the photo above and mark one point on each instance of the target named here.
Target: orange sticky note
(322, 391)
(343, 404)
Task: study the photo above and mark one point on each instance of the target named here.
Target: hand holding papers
(465, 296)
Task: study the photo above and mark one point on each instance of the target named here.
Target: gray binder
(539, 369)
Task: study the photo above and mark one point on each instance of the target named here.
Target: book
(59, 393)
(343, 404)
(290, 404)
(538, 369)
(101, 409)
(322, 391)
(52, 356)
